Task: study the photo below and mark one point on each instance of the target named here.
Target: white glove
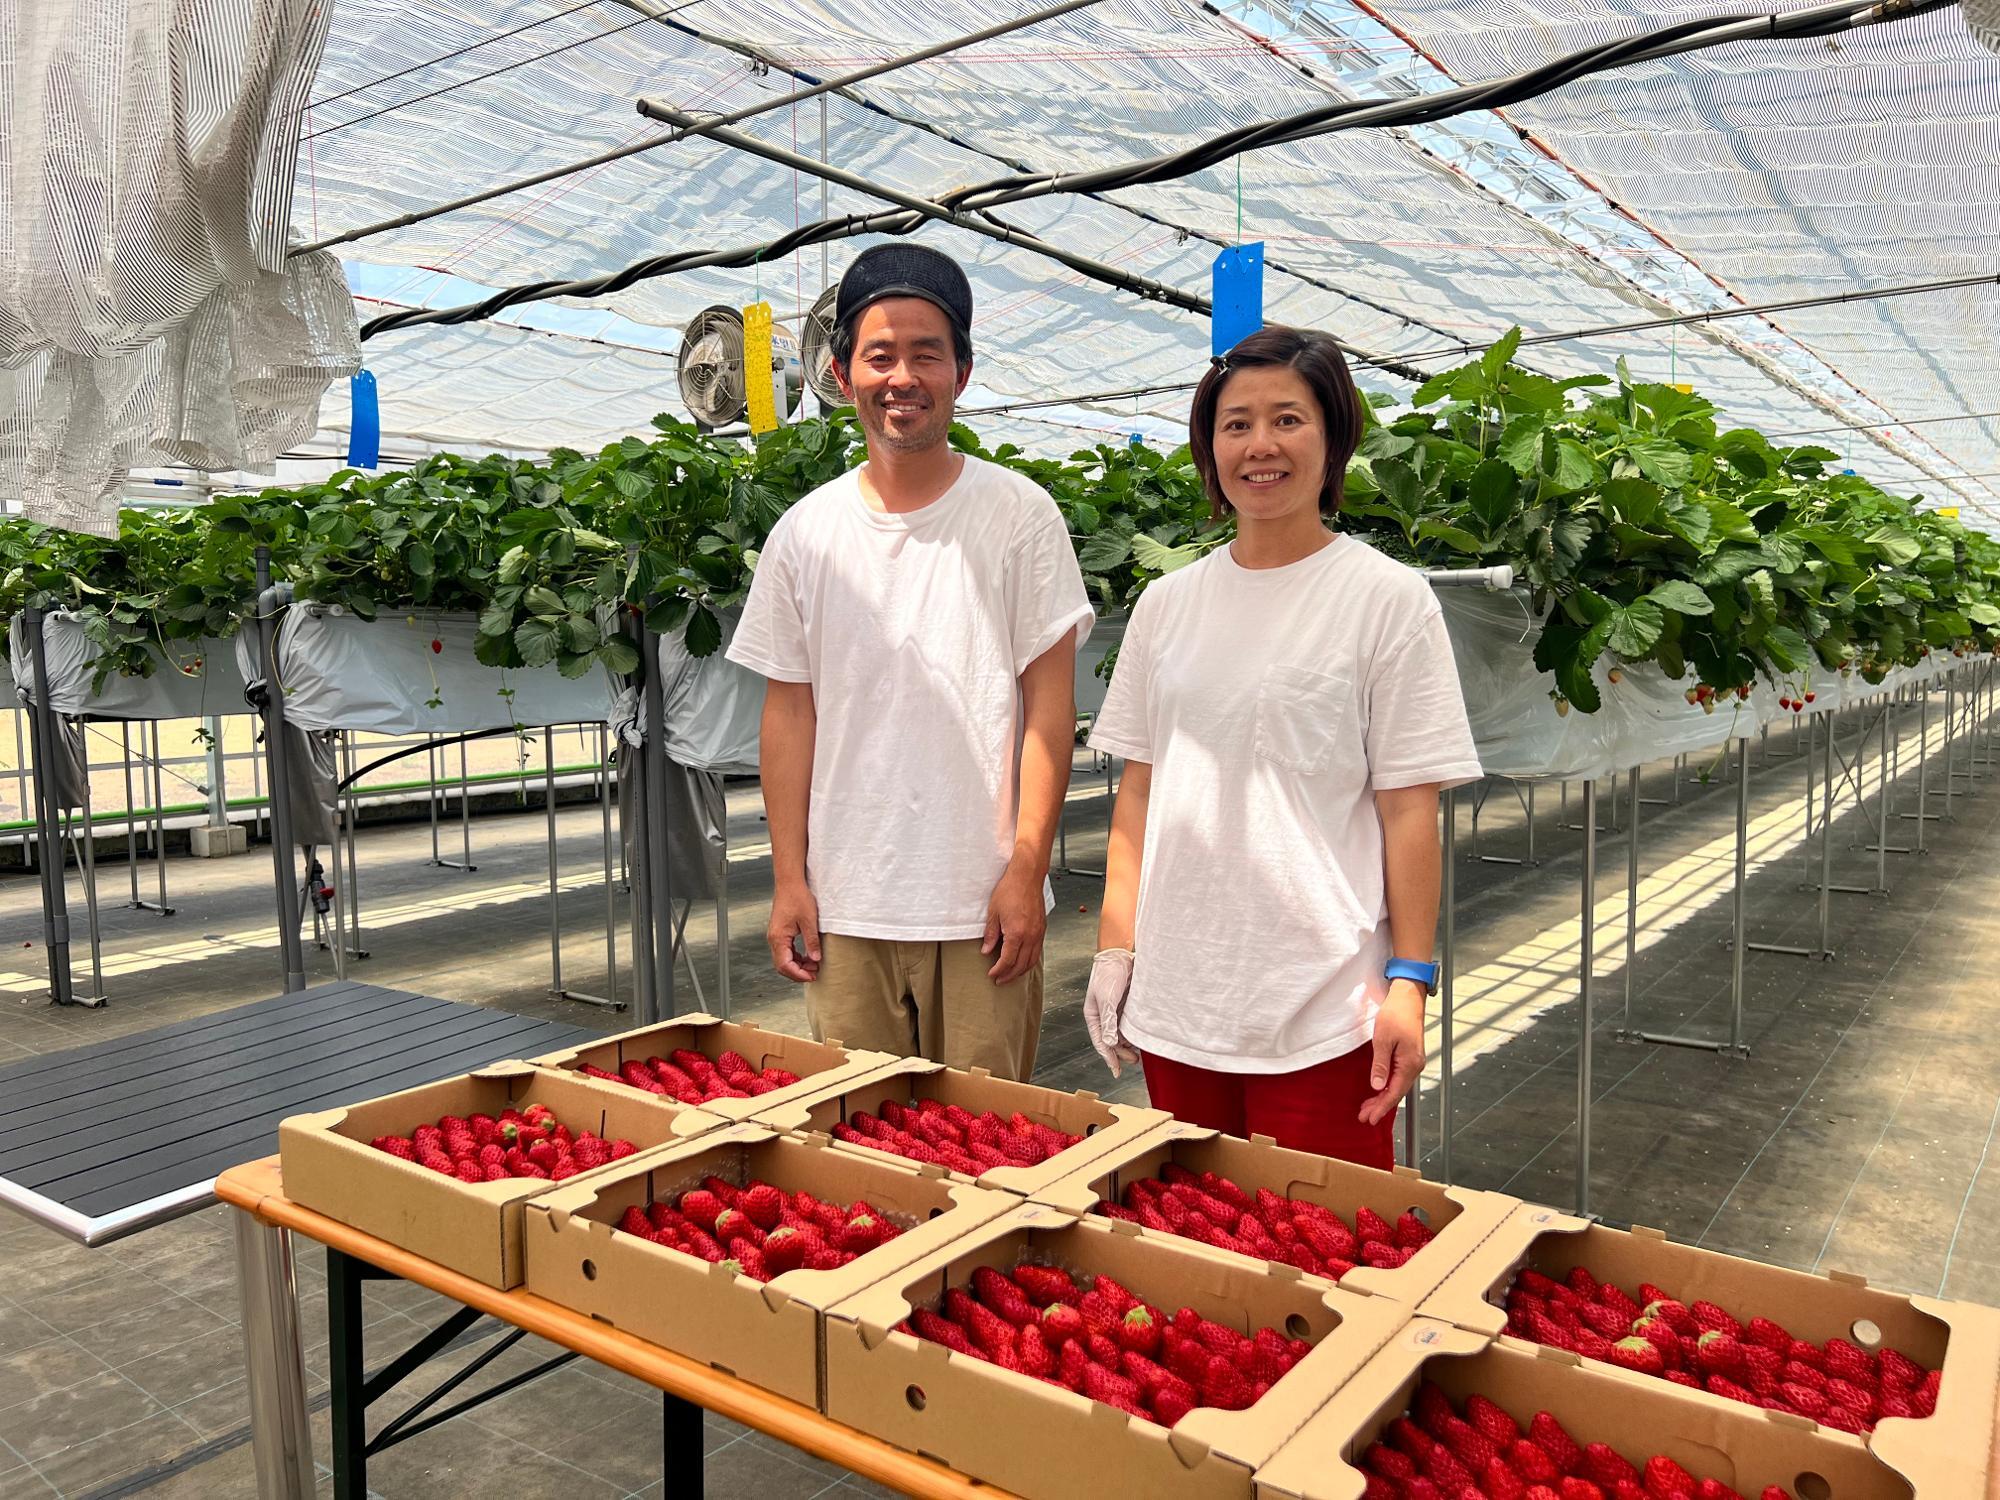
(1104, 1005)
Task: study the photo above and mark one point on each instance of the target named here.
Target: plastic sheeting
(383, 675)
(146, 303)
(1645, 716)
(713, 707)
(213, 687)
(697, 822)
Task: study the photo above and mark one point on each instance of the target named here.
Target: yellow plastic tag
(1950, 512)
(763, 411)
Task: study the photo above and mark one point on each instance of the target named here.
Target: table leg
(281, 1440)
(683, 1448)
(343, 1359)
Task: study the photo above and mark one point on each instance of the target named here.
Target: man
(917, 621)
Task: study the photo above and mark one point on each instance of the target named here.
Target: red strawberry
(1121, 1300)
(987, 1329)
(469, 1171)
(1369, 1225)
(1675, 1315)
(1327, 1243)
(1722, 1385)
(1409, 1438)
(634, 1221)
(1804, 1352)
(863, 1233)
(1004, 1297)
(763, 1204)
(1385, 1257)
(1681, 1377)
(1770, 1335)
(1573, 1488)
(1432, 1409)
(1846, 1418)
(1604, 1320)
(1718, 1353)
(1668, 1480)
(1608, 1295)
(1538, 1284)
(1061, 1323)
(1492, 1420)
(1580, 1281)
(1071, 1362)
(1849, 1362)
(1224, 1385)
(1804, 1375)
(1103, 1348)
(1714, 1489)
(1047, 1284)
(1139, 1330)
(1528, 1459)
(727, 1192)
(592, 1152)
(1925, 1397)
(1802, 1399)
(1470, 1446)
(942, 1331)
(1637, 1354)
(1649, 1294)
(1542, 1331)
(1898, 1371)
(1391, 1463)
(1100, 1384)
(786, 1249)
(733, 1224)
(1603, 1465)
(1216, 1337)
(1854, 1397)
(1895, 1403)
(1498, 1482)
(1708, 1315)
(1114, 1211)
(702, 1206)
(396, 1145)
(1775, 1492)
(1412, 1233)
(1673, 1348)
(1171, 1404)
(1037, 1358)
(1549, 1436)
(1444, 1470)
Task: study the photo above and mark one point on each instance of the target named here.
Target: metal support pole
(1950, 742)
(49, 854)
(1882, 784)
(1826, 840)
(610, 885)
(281, 1439)
(159, 821)
(555, 890)
(1530, 814)
(350, 819)
(283, 859)
(465, 809)
(722, 916)
(1449, 893)
(218, 775)
(1631, 900)
(131, 817)
(87, 860)
(660, 873)
(1737, 913)
(1586, 958)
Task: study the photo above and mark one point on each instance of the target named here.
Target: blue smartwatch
(1409, 968)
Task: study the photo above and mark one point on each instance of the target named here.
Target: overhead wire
(445, 57)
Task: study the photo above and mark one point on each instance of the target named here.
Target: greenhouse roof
(1745, 174)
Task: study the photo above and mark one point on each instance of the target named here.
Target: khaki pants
(926, 1000)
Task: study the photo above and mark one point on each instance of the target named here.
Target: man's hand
(794, 914)
(1016, 919)
(1399, 1050)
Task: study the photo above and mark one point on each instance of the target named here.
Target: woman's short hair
(1318, 361)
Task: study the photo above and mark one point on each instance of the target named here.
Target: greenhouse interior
(1206, 749)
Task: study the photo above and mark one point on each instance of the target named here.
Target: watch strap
(1410, 968)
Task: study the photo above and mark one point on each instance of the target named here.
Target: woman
(1288, 711)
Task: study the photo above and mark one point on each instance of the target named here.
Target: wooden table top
(257, 1189)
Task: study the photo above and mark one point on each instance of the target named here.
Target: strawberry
(702, 1206)
(1761, 1367)
(1103, 1348)
(396, 1145)
(1061, 1323)
(1604, 1320)
(1714, 1489)
(1390, 1463)
(1854, 1397)
(1637, 1354)
(1925, 1397)
(1849, 1362)
(1528, 1459)
(1071, 1362)
(1498, 1482)
(1775, 1492)
(1667, 1480)
(1542, 1331)
(1804, 1352)
(1171, 1404)
(1004, 1297)
(1846, 1418)
(1369, 1225)
(942, 1331)
(637, 1075)
(469, 1171)
(1037, 1358)
(727, 1193)
(1673, 1348)
(1470, 1446)
(1770, 1335)
(1573, 1488)
(1580, 1281)
(1412, 1233)
(1537, 1284)
(1597, 1346)
(1675, 1315)
(1223, 1385)
(1384, 1256)
(634, 1221)
(1139, 1330)
(1442, 1468)
(1608, 1295)
(592, 1152)
(1708, 1315)
(1432, 1409)
(1325, 1242)
(1047, 1284)
(1491, 1419)
(763, 1204)
(786, 1249)
(1648, 1294)
(1895, 1403)
(733, 1224)
(1722, 1385)
(1604, 1466)
(1100, 1384)
(1898, 1370)
(1217, 1338)
(1120, 1300)
(734, 1065)
(1719, 1353)
(1805, 1375)
(863, 1233)
(1548, 1435)
(987, 1329)
(1681, 1377)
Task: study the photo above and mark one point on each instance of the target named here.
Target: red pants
(1315, 1109)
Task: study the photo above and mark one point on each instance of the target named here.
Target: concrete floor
(1853, 1136)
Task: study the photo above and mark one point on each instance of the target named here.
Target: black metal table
(106, 1140)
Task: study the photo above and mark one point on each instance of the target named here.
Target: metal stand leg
(604, 798)
(87, 861)
(556, 987)
(159, 822)
(1734, 1047)
(43, 730)
(722, 917)
(346, 1371)
(1449, 903)
(1586, 958)
(681, 1448)
(350, 816)
(1625, 1033)
(1826, 841)
(280, 1438)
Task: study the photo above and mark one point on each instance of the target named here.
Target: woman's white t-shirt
(913, 629)
(1272, 704)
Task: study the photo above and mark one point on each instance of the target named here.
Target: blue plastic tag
(364, 433)
(1237, 290)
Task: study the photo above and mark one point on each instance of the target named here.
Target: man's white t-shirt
(1272, 704)
(913, 629)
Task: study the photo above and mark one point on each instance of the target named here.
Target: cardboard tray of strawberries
(1053, 1357)
(1390, 1234)
(1916, 1378)
(391, 1166)
(730, 1248)
(1445, 1412)
(731, 1069)
(1016, 1136)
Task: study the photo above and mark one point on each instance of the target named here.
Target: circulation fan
(710, 369)
(818, 342)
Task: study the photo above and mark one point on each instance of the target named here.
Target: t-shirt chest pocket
(1301, 716)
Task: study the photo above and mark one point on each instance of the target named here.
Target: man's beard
(934, 428)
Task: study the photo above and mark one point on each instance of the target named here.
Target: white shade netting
(1408, 253)
(147, 307)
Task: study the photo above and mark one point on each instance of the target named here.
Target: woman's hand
(1104, 1005)
(1399, 1050)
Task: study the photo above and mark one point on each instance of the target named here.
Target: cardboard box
(818, 1064)
(769, 1332)
(474, 1228)
(1042, 1442)
(1744, 1447)
(1105, 1127)
(1460, 1217)
(1945, 1455)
